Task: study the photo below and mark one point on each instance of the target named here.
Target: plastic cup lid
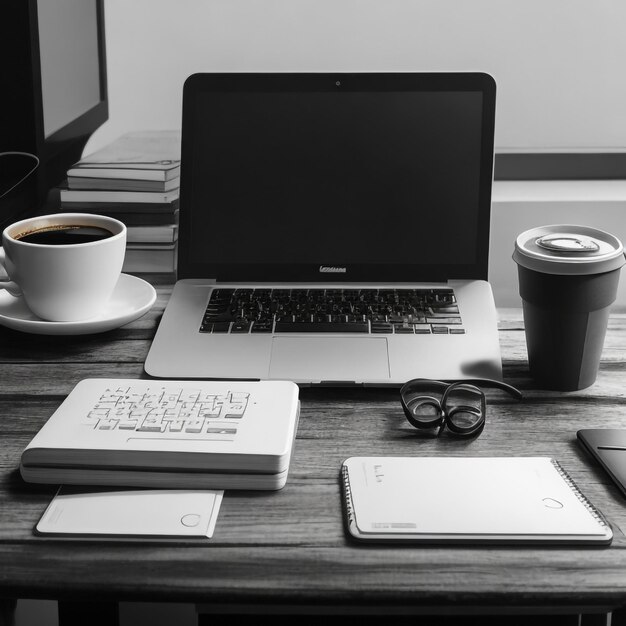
(568, 249)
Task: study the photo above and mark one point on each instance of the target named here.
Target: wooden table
(288, 550)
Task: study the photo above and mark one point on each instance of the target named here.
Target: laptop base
(180, 350)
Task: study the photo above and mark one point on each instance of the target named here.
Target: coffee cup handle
(5, 281)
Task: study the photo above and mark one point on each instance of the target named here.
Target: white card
(132, 513)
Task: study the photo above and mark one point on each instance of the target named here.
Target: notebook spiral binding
(348, 496)
(578, 493)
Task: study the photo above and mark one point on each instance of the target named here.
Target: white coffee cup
(67, 282)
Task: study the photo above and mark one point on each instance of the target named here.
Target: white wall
(559, 64)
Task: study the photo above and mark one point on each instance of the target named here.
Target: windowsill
(559, 191)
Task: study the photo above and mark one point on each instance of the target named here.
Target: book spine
(580, 495)
(130, 197)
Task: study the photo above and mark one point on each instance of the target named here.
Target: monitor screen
(55, 96)
(70, 62)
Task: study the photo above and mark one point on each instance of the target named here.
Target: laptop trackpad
(317, 359)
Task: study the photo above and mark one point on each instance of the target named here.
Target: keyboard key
(151, 427)
(262, 327)
(221, 431)
(445, 310)
(194, 426)
(218, 317)
(109, 397)
(234, 409)
(172, 395)
(152, 396)
(221, 294)
(403, 329)
(239, 396)
(382, 327)
(189, 395)
(322, 327)
(440, 330)
(443, 320)
(109, 404)
(240, 327)
(134, 397)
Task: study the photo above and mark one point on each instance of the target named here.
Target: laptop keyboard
(180, 410)
(374, 311)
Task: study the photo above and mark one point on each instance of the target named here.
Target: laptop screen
(351, 177)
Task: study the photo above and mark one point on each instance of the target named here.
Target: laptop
(334, 230)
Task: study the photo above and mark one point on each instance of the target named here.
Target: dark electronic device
(54, 94)
(608, 447)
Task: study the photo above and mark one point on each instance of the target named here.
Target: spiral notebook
(506, 500)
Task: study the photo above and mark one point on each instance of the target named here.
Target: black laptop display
(386, 177)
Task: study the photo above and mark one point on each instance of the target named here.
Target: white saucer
(132, 298)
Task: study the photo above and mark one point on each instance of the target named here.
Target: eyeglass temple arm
(489, 382)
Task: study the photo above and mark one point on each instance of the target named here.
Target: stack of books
(135, 179)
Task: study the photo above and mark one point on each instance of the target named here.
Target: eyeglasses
(460, 406)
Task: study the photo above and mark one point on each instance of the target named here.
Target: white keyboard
(168, 433)
(160, 409)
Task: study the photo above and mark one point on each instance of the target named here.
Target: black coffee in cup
(568, 277)
(64, 234)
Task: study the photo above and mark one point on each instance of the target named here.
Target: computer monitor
(54, 94)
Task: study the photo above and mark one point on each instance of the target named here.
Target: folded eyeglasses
(460, 406)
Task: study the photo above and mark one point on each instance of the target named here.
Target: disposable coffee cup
(568, 277)
(64, 265)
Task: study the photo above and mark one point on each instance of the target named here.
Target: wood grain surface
(290, 547)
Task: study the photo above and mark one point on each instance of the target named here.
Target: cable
(21, 180)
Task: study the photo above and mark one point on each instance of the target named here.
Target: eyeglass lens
(426, 410)
(465, 408)
(421, 400)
